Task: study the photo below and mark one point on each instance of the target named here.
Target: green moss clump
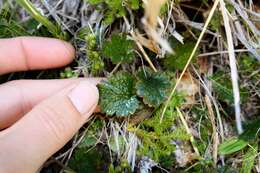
(157, 138)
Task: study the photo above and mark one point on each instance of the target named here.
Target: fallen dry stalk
(192, 140)
(214, 130)
(232, 61)
(140, 47)
(150, 21)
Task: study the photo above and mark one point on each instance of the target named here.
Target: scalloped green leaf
(117, 95)
(152, 86)
(119, 49)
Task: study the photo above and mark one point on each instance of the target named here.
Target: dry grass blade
(232, 61)
(214, 129)
(246, 30)
(145, 55)
(192, 140)
(145, 42)
(245, 17)
(139, 45)
(190, 58)
(190, 87)
(152, 11)
(222, 52)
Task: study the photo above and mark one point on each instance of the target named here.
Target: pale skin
(38, 117)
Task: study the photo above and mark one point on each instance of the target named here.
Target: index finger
(31, 53)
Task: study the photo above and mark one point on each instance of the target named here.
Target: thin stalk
(146, 57)
(190, 58)
(29, 7)
(233, 67)
(192, 140)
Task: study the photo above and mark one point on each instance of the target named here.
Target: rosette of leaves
(117, 95)
(119, 49)
(152, 86)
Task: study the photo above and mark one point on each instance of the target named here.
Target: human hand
(38, 118)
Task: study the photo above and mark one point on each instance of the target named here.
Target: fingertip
(85, 97)
(34, 53)
(69, 51)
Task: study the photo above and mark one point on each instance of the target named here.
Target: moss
(157, 138)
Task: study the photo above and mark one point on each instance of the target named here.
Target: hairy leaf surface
(117, 95)
(152, 87)
(119, 49)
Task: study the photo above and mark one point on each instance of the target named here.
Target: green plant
(68, 73)
(119, 49)
(94, 57)
(55, 29)
(248, 159)
(249, 136)
(8, 26)
(152, 87)
(232, 145)
(86, 157)
(247, 66)
(178, 60)
(157, 138)
(92, 161)
(123, 167)
(91, 135)
(215, 23)
(223, 88)
(200, 115)
(104, 34)
(117, 95)
(115, 8)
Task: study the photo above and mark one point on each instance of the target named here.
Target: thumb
(46, 128)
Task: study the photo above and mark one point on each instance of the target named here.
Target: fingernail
(84, 97)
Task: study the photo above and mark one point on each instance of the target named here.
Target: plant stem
(192, 140)
(29, 7)
(233, 67)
